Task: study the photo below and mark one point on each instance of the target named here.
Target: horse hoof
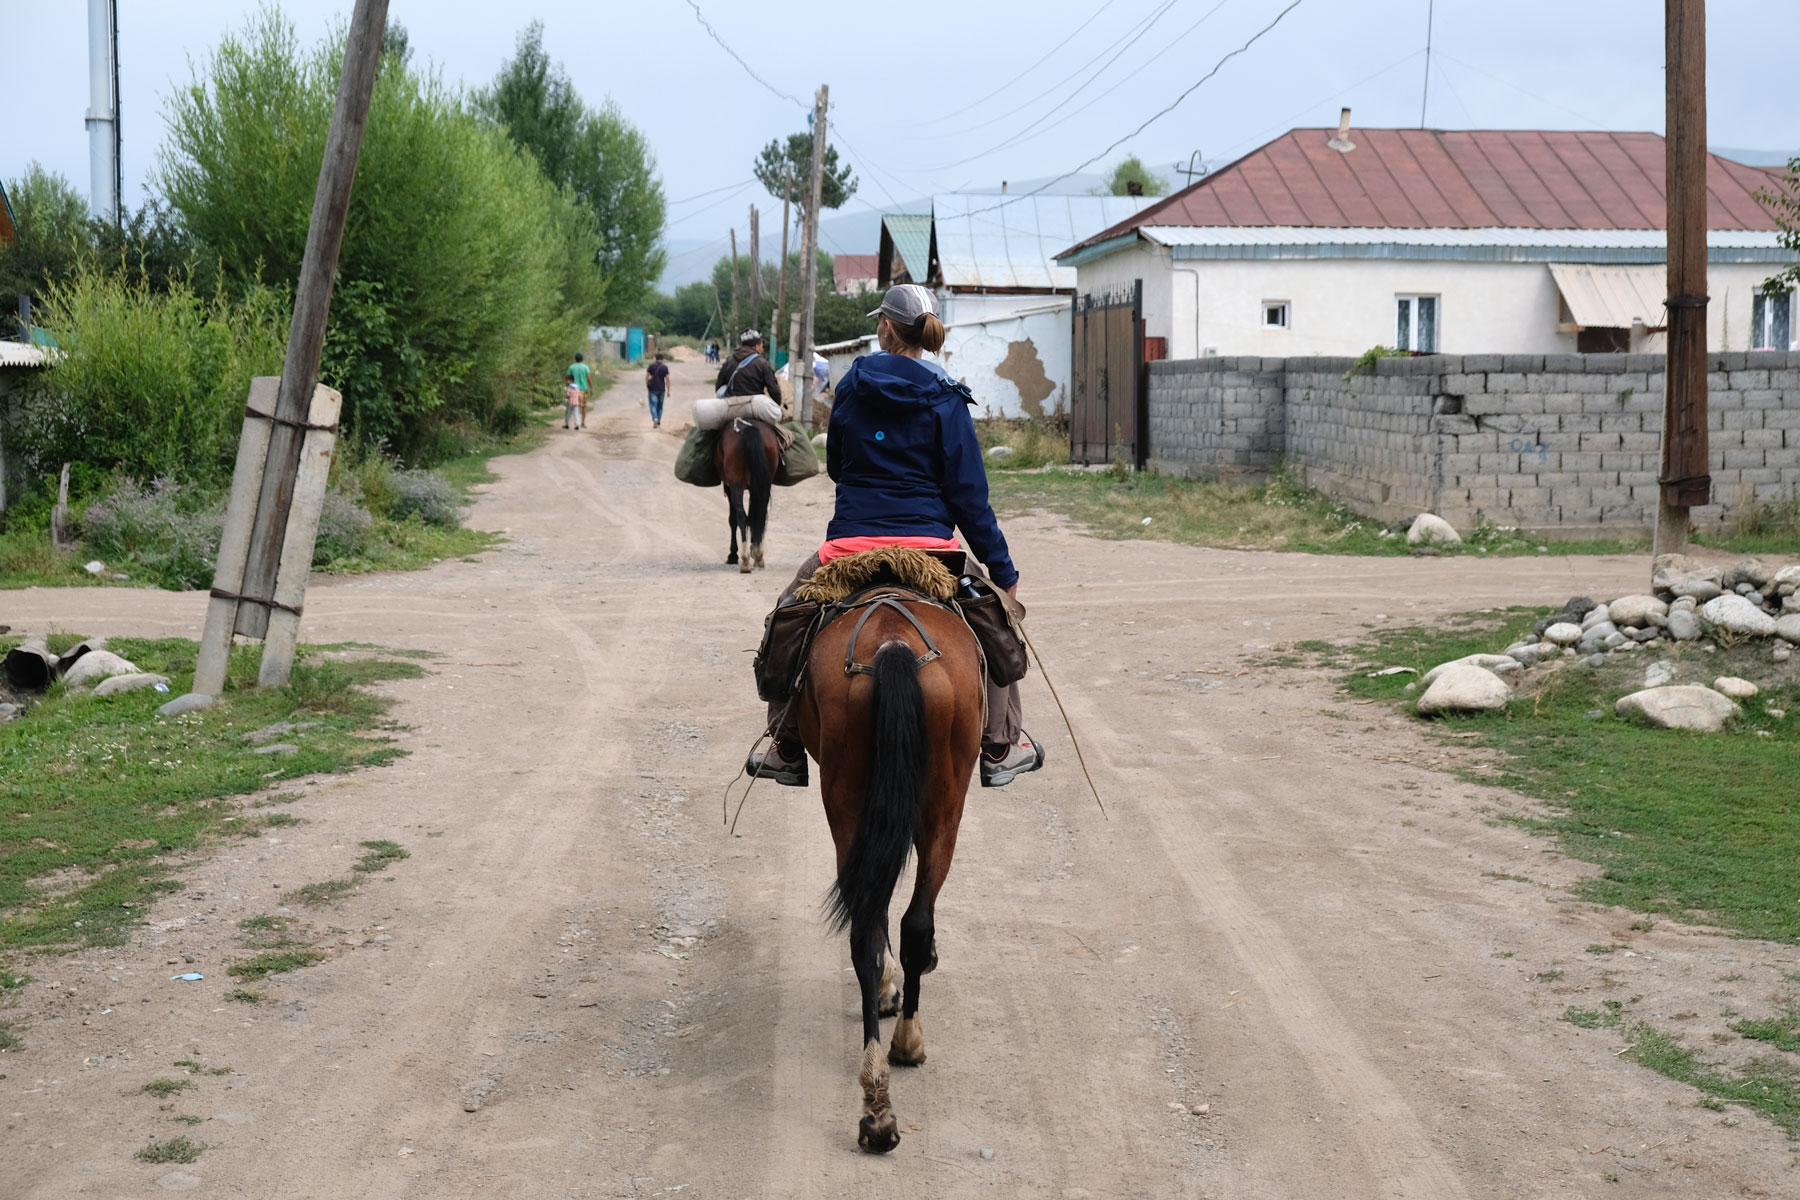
(878, 1135)
(744, 567)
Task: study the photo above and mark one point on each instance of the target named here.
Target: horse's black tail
(889, 821)
(762, 479)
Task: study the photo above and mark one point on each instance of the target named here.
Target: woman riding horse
(908, 467)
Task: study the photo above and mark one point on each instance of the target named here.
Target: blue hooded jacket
(903, 451)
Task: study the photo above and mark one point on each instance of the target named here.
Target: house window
(1275, 314)
(1772, 322)
(1416, 324)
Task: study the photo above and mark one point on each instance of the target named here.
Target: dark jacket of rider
(903, 451)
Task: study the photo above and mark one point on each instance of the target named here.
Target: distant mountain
(1755, 158)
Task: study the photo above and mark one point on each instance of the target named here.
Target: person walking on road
(571, 402)
(578, 372)
(656, 379)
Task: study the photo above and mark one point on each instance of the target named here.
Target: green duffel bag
(798, 458)
(695, 462)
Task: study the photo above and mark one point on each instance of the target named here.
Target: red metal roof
(1455, 179)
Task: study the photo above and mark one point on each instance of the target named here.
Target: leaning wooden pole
(1685, 481)
(801, 375)
(250, 596)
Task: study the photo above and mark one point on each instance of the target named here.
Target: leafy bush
(344, 527)
(169, 531)
(151, 384)
(426, 494)
(464, 271)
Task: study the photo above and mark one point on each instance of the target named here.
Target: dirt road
(580, 986)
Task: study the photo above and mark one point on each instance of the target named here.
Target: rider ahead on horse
(747, 372)
(908, 467)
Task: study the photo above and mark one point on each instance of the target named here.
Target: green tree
(779, 163)
(463, 271)
(54, 238)
(1132, 170)
(1783, 203)
(595, 153)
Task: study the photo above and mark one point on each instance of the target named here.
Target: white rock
(1658, 674)
(95, 568)
(1489, 661)
(1634, 611)
(1465, 689)
(1736, 617)
(1684, 706)
(1697, 587)
(1751, 571)
(1000, 452)
(1787, 627)
(1428, 529)
(191, 702)
(1563, 633)
(1781, 654)
(96, 665)
(1597, 615)
(1684, 604)
(1732, 686)
(118, 684)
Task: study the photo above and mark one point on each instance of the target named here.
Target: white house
(1003, 297)
(1330, 241)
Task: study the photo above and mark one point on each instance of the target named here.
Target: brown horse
(892, 711)
(746, 458)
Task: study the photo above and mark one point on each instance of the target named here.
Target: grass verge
(1768, 1085)
(1278, 514)
(1701, 827)
(100, 798)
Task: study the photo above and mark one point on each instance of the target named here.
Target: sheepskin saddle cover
(911, 568)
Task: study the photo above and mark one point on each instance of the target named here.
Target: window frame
(1761, 306)
(1287, 314)
(1411, 299)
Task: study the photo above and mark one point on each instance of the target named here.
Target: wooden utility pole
(1685, 480)
(736, 327)
(755, 270)
(267, 587)
(801, 374)
(779, 332)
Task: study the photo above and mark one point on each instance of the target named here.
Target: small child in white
(571, 403)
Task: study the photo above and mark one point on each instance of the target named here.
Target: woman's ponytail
(927, 333)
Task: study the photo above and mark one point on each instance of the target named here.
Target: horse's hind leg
(918, 956)
(890, 981)
(879, 1130)
(731, 517)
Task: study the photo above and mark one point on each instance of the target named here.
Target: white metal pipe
(103, 111)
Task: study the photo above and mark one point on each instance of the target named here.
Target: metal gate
(1107, 417)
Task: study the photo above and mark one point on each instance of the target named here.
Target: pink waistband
(839, 547)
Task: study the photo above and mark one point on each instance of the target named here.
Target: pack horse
(746, 459)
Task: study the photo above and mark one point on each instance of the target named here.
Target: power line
(725, 46)
(1022, 74)
(1594, 122)
(1066, 100)
(704, 195)
(698, 212)
(1021, 107)
(1153, 118)
(1425, 94)
(1288, 122)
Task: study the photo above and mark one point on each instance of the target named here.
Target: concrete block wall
(1568, 445)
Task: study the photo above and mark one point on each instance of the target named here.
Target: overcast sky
(950, 99)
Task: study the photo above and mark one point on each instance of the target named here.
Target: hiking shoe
(785, 764)
(998, 770)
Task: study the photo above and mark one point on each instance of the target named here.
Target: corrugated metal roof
(1287, 235)
(911, 233)
(1015, 244)
(19, 354)
(9, 228)
(1612, 297)
(1461, 179)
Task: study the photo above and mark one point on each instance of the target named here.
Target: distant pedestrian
(571, 402)
(578, 371)
(656, 379)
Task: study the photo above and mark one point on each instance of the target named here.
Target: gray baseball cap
(905, 303)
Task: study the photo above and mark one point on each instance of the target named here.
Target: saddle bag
(995, 620)
(780, 660)
(798, 459)
(694, 464)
